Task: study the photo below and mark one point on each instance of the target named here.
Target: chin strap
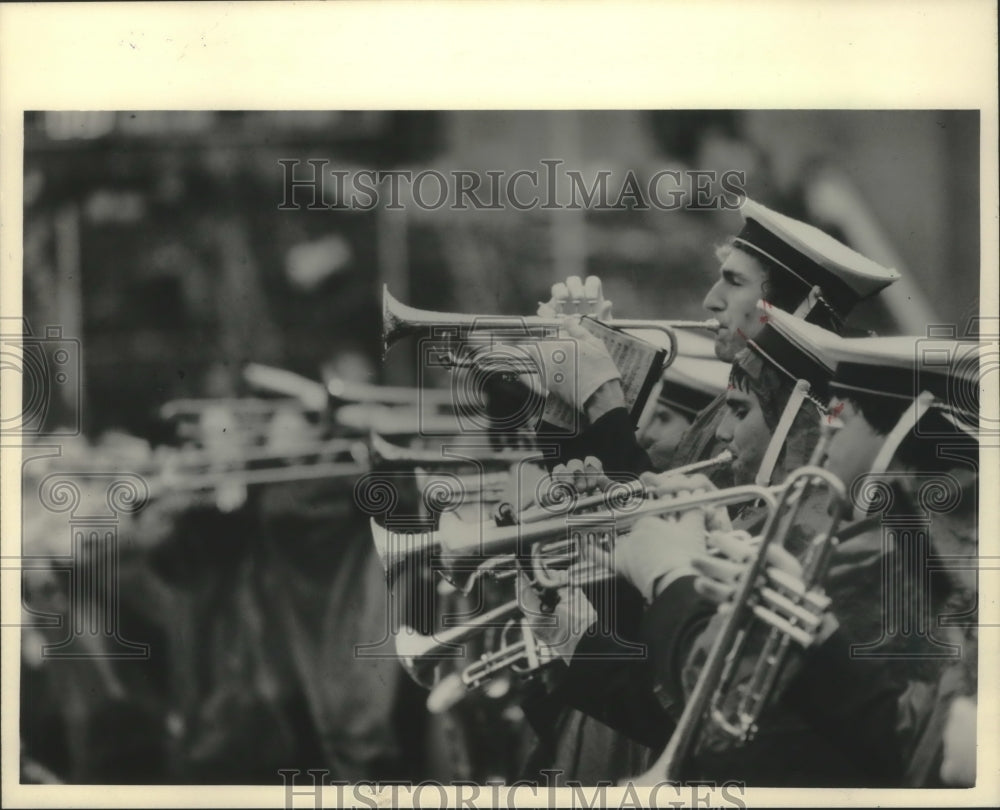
(799, 395)
(811, 301)
(808, 303)
(907, 422)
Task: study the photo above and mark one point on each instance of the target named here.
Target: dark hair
(784, 291)
(771, 388)
(921, 448)
(882, 413)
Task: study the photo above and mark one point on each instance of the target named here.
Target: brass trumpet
(238, 406)
(346, 392)
(395, 421)
(400, 320)
(342, 393)
(418, 653)
(521, 655)
(384, 452)
(458, 540)
(336, 458)
(620, 494)
(791, 611)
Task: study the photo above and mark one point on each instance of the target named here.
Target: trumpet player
(762, 383)
(791, 265)
(688, 385)
(897, 718)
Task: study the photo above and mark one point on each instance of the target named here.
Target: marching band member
(761, 384)
(791, 265)
(898, 722)
(688, 385)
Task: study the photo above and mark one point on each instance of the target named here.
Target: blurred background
(156, 239)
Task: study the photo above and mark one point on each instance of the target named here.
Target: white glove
(563, 628)
(574, 297)
(579, 477)
(575, 380)
(570, 373)
(671, 485)
(659, 550)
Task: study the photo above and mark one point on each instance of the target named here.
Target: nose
(724, 430)
(714, 302)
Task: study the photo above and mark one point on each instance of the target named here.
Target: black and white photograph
(493, 454)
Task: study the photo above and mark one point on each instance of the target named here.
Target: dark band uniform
(884, 716)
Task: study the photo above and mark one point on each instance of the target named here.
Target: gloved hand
(524, 483)
(571, 374)
(659, 550)
(574, 297)
(718, 574)
(576, 380)
(671, 485)
(563, 627)
(574, 478)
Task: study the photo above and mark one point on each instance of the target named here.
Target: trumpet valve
(798, 618)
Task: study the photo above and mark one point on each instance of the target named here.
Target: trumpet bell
(400, 320)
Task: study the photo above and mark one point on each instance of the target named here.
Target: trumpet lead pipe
(622, 492)
(415, 648)
(480, 540)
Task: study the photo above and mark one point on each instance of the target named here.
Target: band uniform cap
(813, 257)
(901, 368)
(797, 349)
(690, 384)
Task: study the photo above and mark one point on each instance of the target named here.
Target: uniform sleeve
(611, 439)
(670, 628)
(858, 705)
(609, 676)
(637, 693)
(611, 680)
